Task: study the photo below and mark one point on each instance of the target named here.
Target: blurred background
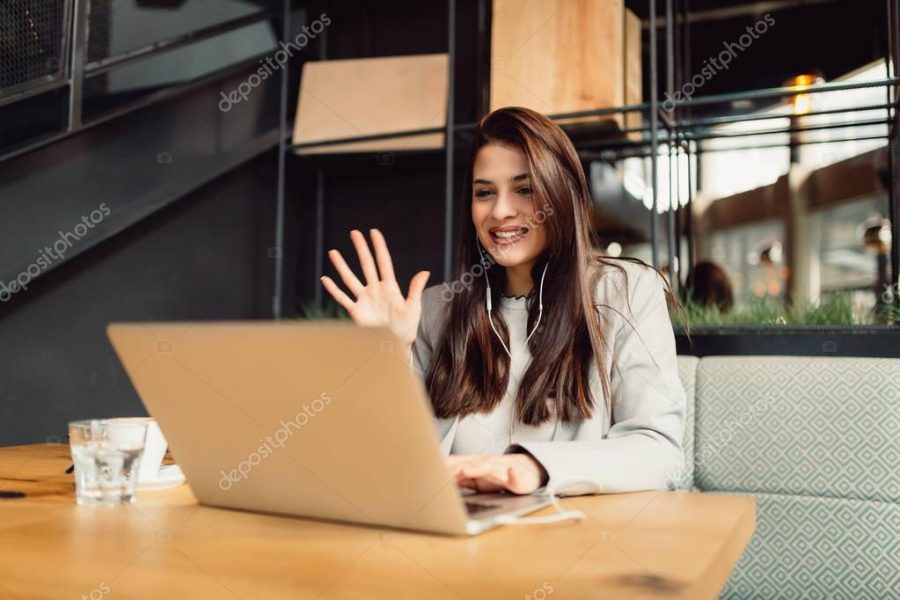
(195, 159)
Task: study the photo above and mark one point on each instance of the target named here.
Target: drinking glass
(107, 456)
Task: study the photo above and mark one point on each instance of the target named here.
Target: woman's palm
(379, 303)
(383, 304)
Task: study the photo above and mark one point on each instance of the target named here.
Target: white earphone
(561, 513)
(488, 291)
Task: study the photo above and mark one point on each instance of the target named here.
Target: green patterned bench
(816, 441)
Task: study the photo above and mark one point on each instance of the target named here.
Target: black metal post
(320, 235)
(483, 61)
(893, 143)
(654, 129)
(673, 193)
(448, 161)
(320, 205)
(689, 210)
(76, 64)
(684, 213)
(670, 221)
(278, 254)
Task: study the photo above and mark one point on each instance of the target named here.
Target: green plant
(888, 313)
(834, 309)
(309, 312)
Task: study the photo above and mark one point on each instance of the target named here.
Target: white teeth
(510, 234)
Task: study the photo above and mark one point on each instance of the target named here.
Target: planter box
(790, 340)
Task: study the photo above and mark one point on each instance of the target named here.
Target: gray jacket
(639, 445)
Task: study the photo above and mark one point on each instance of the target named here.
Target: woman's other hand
(517, 473)
(379, 303)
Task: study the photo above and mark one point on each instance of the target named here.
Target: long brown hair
(469, 370)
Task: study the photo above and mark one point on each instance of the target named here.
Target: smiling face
(504, 207)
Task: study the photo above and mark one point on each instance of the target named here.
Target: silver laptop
(315, 419)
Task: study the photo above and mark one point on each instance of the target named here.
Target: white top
(639, 445)
(494, 432)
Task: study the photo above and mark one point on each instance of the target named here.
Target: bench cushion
(819, 548)
(810, 426)
(687, 372)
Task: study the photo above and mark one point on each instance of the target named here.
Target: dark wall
(204, 257)
(404, 199)
(400, 193)
(168, 212)
(172, 251)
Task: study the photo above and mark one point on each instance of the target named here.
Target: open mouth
(509, 236)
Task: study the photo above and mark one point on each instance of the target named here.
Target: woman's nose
(503, 206)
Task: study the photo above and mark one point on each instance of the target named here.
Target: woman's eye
(483, 193)
(525, 190)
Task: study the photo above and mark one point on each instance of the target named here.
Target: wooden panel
(838, 183)
(846, 181)
(560, 55)
(745, 208)
(640, 545)
(634, 82)
(367, 96)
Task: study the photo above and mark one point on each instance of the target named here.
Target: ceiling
(831, 37)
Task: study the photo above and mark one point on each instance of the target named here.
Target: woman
(571, 383)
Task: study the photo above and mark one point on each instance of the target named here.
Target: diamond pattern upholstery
(813, 426)
(687, 371)
(816, 440)
(826, 548)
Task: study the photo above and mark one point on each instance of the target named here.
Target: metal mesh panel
(118, 27)
(32, 47)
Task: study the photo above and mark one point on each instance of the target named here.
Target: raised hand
(379, 303)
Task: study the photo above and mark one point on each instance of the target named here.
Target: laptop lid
(319, 419)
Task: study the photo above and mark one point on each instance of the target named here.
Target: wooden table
(640, 545)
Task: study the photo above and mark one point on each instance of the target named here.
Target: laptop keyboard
(477, 507)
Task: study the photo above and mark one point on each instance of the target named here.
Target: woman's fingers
(455, 462)
(350, 280)
(382, 256)
(489, 482)
(492, 473)
(484, 473)
(366, 262)
(336, 293)
(417, 286)
(483, 482)
(515, 481)
(462, 466)
(490, 470)
(480, 485)
(385, 266)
